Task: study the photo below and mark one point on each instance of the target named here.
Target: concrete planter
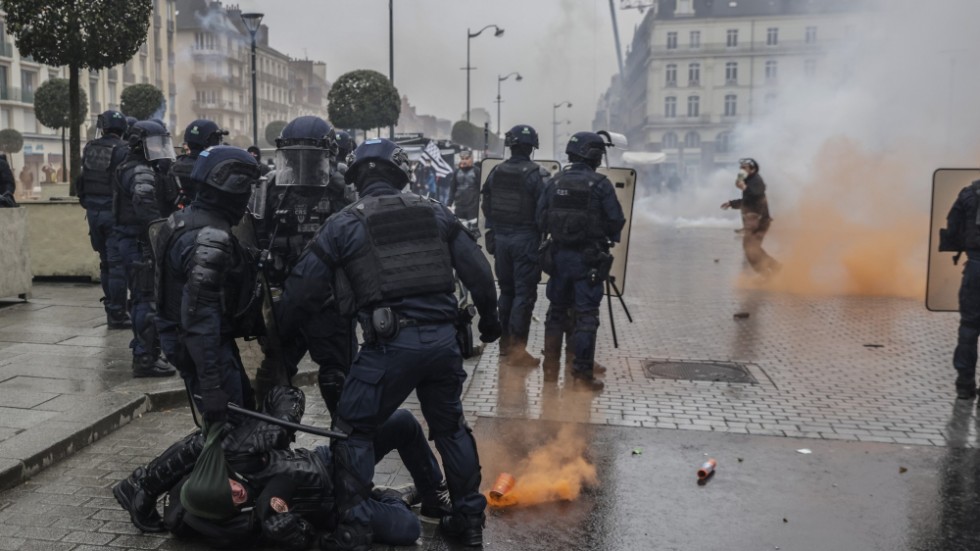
(15, 257)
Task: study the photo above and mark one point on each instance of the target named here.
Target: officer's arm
(538, 185)
(485, 201)
(544, 202)
(613, 218)
(145, 195)
(309, 287)
(206, 265)
(472, 267)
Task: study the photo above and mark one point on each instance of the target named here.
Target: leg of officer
(403, 432)
(329, 338)
(97, 236)
(561, 296)
(503, 263)
(117, 296)
(527, 275)
(965, 355)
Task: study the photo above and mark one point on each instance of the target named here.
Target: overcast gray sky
(564, 49)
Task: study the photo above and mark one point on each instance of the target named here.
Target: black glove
(214, 404)
(289, 530)
(490, 329)
(491, 241)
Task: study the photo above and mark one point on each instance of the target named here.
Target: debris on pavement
(804, 451)
(707, 469)
(902, 470)
(637, 451)
(741, 315)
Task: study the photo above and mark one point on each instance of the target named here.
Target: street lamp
(499, 80)
(554, 124)
(252, 22)
(470, 35)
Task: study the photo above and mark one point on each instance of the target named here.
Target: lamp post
(252, 22)
(391, 56)
(499, 80)
(554, 124)
(470, 35)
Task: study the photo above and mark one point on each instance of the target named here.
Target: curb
(117, 409)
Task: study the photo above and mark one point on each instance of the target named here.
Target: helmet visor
(158, 147)
(302, 166)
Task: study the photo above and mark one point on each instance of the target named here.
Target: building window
(695, 39)
(670, 107)
(112, 93)
(810, 67)
(725, 142)
(30, 122)
(5, 118)
(694, 74)
(811, 35)
(671, 75)
(693, 106)
(732, 38)
(731, 103)
(4, 86)
(692, 140)
(672, 40)
(28, 80)
(669, 141)
(731, 72)
(772, 70)
(772, 36)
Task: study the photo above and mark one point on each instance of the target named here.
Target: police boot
(436, 504)
(138, 494)
(966, 386)
(467, 529)
(598, 368)
(148, 365)
(519, 356)
(118, 320)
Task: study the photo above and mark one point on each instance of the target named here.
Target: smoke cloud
(848, 155)
(556, 471)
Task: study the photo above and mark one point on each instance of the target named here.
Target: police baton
(283, 423)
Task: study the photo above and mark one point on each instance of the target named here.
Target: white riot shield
(487, 165)
(624, 182)
(943, 277)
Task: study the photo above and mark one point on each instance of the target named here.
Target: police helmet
(202, 134)
(113, 121)
(153, 139)
(749, 162)
(586, 145)
(378, 153)
(345, 144)
(307, 130)
(226, 168)
(521, 134)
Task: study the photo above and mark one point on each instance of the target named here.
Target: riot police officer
(511, 196)
(345, 145)
(962, 234)
(389, 260)
(137, 181)
(302, 193)
(94, 188)
(583, 217)
(179, 190)
(206, 280)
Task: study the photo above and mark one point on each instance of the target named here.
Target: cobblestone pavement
(817, 378)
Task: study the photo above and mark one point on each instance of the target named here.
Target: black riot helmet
(587, 147)
(226, 168)
(152, 139)
(521, 134)
(113, 122)
(303, 152)
(380, 158)
(345, 144)
(202, 134)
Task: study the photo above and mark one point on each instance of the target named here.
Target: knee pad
(587, 321)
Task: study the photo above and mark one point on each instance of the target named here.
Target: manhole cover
(720, 372)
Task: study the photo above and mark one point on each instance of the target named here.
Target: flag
(432, 153)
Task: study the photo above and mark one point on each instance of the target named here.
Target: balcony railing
(6, 49)
(222, 104)
(27, 95)
(9, 93)
(216, 79)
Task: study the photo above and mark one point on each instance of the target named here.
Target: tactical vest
(240, 301)
(404, 254)
(96, 162)
(573, 217)
(312, 477)
(512, 204)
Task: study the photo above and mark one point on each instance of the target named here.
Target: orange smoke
(859, 228)
(557, 471)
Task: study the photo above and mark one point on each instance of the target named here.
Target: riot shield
(943, 277)
(624, 182)
(487, 165)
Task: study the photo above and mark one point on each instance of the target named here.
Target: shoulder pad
(212, 236)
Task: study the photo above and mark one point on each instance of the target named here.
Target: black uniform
(464, 192)
(7, 184)
(962, 234)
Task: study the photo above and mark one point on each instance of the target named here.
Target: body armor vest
(404, 254)
(122, 196)
(240, 300)
(299, 213)
(512, 204)
(96, 160)
(573, 219)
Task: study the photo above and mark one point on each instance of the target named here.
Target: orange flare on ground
(557, 471)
